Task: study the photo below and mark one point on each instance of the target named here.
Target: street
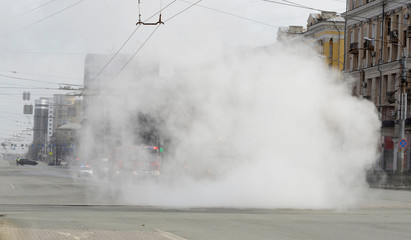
(45, 202)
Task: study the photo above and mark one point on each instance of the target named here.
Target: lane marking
(9, 183)
(58, 186)
(169, 235)
(50, 183)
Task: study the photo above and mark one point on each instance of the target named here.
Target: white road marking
(58, 186)
(169, 235)
(9, 183)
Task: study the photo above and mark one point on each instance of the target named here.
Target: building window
(388, 25)
(369, 88)
(330, 53)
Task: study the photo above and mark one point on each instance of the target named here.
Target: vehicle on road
(137, 162)
(85, 171)
(25, 161)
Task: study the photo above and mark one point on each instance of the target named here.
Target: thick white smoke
(265, 127)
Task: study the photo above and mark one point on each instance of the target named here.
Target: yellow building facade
(327, 29)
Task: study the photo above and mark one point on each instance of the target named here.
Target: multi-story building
(42, 127)
(285, 33)
(378, 34)
(67, 117)
(51, 114)
(326, 29)
(67, 109)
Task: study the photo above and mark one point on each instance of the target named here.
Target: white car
(85, 171)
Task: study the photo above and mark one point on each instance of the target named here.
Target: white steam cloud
(266, 127)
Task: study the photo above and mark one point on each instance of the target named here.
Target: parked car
(25, 161)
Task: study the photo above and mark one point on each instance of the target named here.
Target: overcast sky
(47, 40)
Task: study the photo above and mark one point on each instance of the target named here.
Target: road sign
(403, 143)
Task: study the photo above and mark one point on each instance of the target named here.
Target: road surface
(43, 202)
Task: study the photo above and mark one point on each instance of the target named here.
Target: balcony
(394, 36)
(367, 97)
(353, 48)
(409, 32)
(369, 45)
(391, 97)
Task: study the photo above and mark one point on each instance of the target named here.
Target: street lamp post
(403, 104)
(403, 110)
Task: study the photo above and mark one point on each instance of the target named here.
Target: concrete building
(49, 115)
(67, 109)
(68, 112)
(42, 130)
(284, 33)
(378, 34)
(327, 30)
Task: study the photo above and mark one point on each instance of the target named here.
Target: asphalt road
(43, 202)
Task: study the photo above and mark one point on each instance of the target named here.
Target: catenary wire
(152, 33)
(128, 39)
(45, 18)
(231, 14)
(138, 50)
(293, 5)
(185, 9)
(27, 12)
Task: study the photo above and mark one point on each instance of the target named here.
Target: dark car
(25, 161)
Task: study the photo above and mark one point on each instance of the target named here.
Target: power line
(35, 88)
(231, 14)
(26, 79)
(128, 39)
(45, 18)
(28, 11)
(152, 33)
(293, 5)
(40, 53)
(192, 5)
(44, 75)
(138, 50)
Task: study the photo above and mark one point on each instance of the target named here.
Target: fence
(389, 180)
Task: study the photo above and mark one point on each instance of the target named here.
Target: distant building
(327, 30)
(42, 127)
(50, 114)
(284, 33)
(67, 109)
(378, 37)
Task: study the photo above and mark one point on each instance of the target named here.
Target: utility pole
(403, 110)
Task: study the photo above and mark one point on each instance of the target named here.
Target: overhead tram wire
(27, 12)
(128, 39)
(185, 9)
(231, 14)
(43, 75)
(27, 79)
(152, 33)
(138, 50)
(45, 18)
(293, 5)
